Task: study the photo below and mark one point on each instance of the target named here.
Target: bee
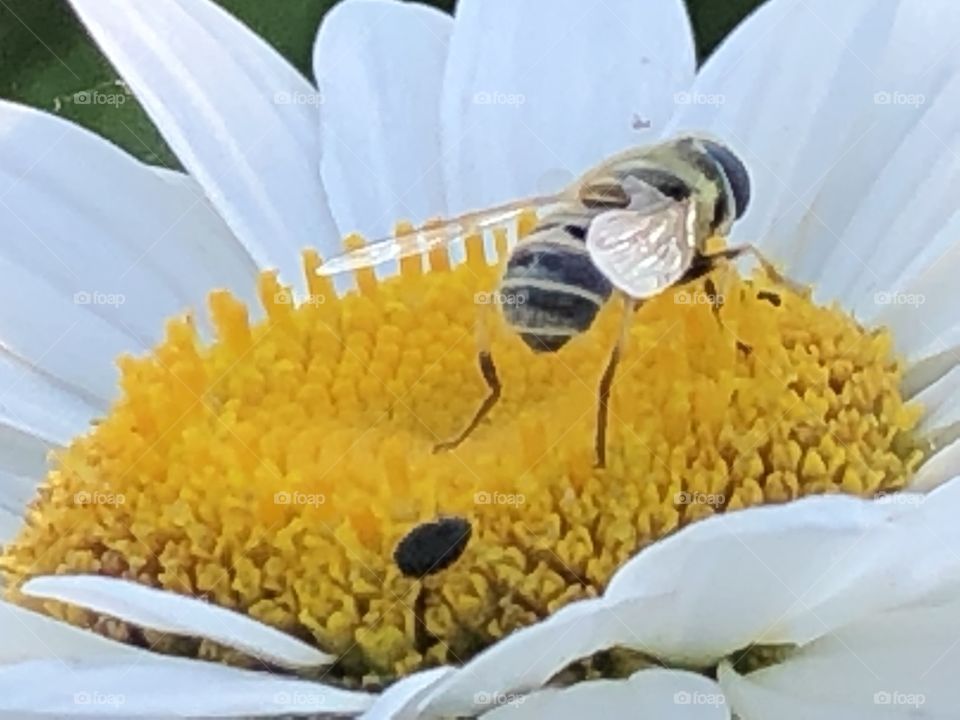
(637, 224)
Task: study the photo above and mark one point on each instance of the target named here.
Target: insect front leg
(488, 370)
(606, 381)
(768, 267)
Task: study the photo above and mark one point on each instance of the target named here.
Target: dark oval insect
(432, 546)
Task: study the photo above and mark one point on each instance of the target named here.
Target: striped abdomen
(552, 289)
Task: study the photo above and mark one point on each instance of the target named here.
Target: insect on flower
(636, 225)
(427, 549)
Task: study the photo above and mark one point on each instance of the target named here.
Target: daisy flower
(773, 534)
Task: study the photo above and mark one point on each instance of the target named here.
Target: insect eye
(432, 546)
(736, 173)
(604, 195)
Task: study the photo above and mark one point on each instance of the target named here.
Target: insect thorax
(681, 169)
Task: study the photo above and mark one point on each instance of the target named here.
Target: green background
(45, 57)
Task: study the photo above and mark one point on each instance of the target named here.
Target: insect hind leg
(488, 370)
(606, 382)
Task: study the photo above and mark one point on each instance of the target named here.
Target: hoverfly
(638, 224)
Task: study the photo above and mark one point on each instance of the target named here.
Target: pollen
(275, 469)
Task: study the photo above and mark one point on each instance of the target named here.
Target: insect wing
(423, 240)
(393, 248)
(644, 252)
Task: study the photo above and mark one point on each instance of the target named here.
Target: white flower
(845, 115)
(859, 586)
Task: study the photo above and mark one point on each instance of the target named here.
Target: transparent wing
(422, 240)
(643, 252)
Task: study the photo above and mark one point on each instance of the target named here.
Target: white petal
(99, 251)
(62, 340)
(907, 153)
(751, 701)
(379, 66)
(934, 528)
(899, 664)
(784, 89)
(941, 402)
(661, 694)
(10, 519)
(240, 118)
(939, 469)
(918, 303)
(164, 688)
(16, 491)
(778, 574)
(400, 700)
(37, 414)
(207, 258)
(902, 225)
(29, 635)
(535, 96)
(169, 612)
(103, 247)
(76, 672)
(774, 574)
(836, 185)
(524, 660)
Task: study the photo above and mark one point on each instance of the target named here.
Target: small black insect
(432, 546)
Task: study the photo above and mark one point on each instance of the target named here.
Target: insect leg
(701, 267)
(715, 296)
(704, 264)
(606, 382)
(422, 637)
(489, 372)
(725, 273)
(768, 267)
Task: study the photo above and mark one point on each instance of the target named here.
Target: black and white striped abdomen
(553, 290)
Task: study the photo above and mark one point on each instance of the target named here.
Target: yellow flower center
(276, 470)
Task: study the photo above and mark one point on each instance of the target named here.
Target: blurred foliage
(46, 58)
